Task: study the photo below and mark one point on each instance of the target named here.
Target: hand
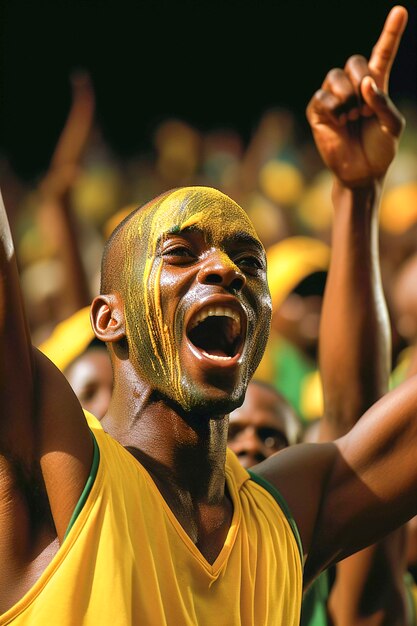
(355, 125)
(65, 163)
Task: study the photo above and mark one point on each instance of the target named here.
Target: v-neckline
(213, 569)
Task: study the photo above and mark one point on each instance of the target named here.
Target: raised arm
(355, 343)
(356, 128)
(45, 446)
(16, 391)
(354, 347)
(56, 215)
(356, 132)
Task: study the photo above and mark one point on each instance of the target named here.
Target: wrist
(363, 199)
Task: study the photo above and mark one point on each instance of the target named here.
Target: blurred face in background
(91, 378)
(263, 425)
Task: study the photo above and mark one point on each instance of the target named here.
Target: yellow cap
(290, 261)
(69, 339)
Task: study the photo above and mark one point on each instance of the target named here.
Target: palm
(362, 150)
(356, 152)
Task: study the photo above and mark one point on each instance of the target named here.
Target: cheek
(162, 321)
(260, 303)
(166, 306)
(176, 297)
(259, 324)
(144, 317)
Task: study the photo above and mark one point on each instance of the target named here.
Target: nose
(219, 269)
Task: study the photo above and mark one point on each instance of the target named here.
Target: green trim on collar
(273, 491)
(88, 485)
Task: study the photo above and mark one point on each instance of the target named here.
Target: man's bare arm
(355, 355)
(41, 420)
(355, 342)
(347, 494)
(16, 365)
(356, 128)
(355, 350)
(55, 212)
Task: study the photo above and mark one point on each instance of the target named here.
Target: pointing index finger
(385, 49)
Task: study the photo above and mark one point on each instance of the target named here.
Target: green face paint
(153, 338)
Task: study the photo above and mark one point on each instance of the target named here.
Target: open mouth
(216, 331)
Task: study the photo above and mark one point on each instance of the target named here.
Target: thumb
(382, 107)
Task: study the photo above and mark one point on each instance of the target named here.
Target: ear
(107, 318)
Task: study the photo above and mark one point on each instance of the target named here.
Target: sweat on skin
(146, 234)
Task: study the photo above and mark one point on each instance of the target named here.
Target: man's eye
(233, 432)
(87, 393)
(272, 438)
(181, 252)
(250, 262)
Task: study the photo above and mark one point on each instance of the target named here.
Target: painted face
(197, 304)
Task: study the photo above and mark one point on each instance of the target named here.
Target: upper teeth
(218, 311)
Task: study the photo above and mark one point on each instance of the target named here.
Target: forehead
(203, 208)
(261, 405)
(94, 365)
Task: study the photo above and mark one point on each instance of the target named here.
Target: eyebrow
(242, 236)
(239, 236)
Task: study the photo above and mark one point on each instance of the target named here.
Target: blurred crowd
(61, 221)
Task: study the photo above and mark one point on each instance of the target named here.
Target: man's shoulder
(299, 473)
(114, 460)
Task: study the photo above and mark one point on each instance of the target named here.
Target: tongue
(216, 352)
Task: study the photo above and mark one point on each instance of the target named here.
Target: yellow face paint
(151, 338)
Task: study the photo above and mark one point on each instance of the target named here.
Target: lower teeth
(215, 357)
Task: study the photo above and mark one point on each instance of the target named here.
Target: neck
(184, 454)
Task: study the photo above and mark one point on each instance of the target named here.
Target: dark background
(210, 63)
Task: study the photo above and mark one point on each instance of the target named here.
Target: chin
(216, 402)
(217, 408)
(209, 401)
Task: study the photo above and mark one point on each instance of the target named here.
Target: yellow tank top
(127, 561)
